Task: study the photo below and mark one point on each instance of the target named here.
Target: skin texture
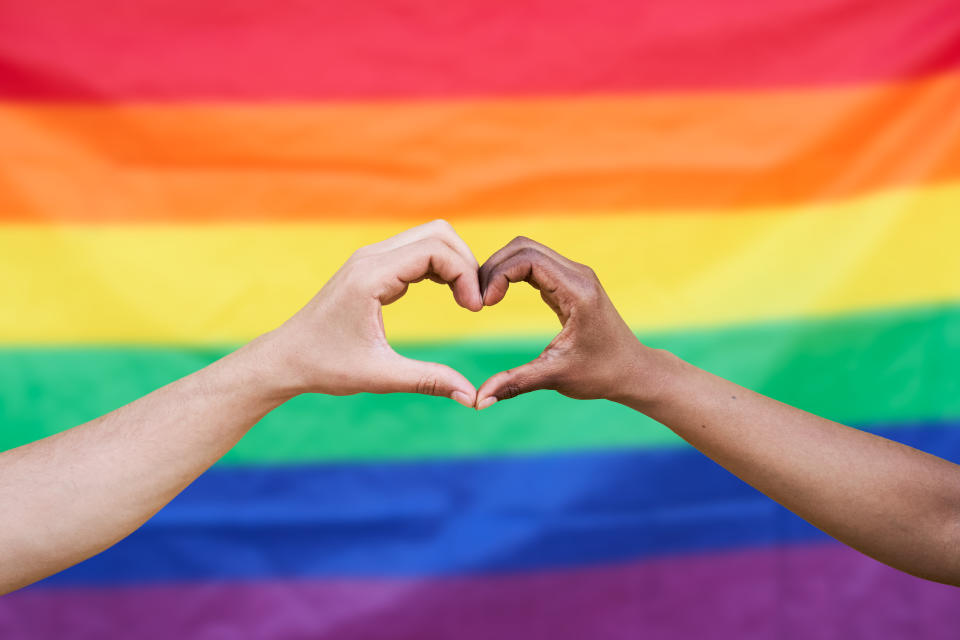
(336, 343)
(69, 496)
(894, 503)
(73, 494)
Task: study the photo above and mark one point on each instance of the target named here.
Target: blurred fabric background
(770, 190)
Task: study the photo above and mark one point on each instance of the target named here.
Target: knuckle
(361, 262)
(528, 254)
(427, 385)
(591, 296)
(441, 225)
(350, 268)
(521, 241)
(360, 253)
(364, 271)
(509, 390)
(434, 244)
(589, 288)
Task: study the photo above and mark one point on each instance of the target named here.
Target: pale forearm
(892, 502)
(69, 496)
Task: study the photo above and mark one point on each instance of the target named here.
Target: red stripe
(307, 49)
(792, 593)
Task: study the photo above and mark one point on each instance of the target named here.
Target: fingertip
(476, 302)
(463, 398)
(491, 297)
(473, 303)
(467, 294)
(486, 402)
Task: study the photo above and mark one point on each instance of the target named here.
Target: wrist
(264, 370)
(650, 376)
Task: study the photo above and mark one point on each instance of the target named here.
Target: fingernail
(462, 398)
(486, 403)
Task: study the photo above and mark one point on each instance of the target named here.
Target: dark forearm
(892, 502)
(897, 504)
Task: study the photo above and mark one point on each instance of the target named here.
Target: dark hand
(595, 354)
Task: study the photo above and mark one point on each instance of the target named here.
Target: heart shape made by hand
(349, 352)
(585, 359)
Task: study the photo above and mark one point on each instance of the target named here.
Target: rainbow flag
(771, 190)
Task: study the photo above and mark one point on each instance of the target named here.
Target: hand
(336, 343)
(595, 355)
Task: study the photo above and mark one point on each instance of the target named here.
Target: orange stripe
(197, 163)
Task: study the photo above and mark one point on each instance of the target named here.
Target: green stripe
(866, 369)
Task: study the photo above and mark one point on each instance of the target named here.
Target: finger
(404, 375)
(523, 242)
(532, 376)
(435, 229)
(528, 264)
(429, 257)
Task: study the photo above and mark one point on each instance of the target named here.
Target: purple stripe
(818, 591)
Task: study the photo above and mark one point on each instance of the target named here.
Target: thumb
(405, 375)
(532, 376)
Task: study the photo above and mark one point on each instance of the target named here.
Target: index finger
(529, 264)
(514, 246)
(429, 257)
(434, 229)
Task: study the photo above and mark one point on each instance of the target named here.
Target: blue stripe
(449, 517)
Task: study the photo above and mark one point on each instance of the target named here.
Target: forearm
(892, 502)
(73, 494)
(69, 496)
(897, 504)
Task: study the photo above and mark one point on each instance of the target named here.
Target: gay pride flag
(769, 189)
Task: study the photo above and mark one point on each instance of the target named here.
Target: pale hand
(336, 344)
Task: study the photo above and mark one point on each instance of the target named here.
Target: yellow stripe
(199, 284)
